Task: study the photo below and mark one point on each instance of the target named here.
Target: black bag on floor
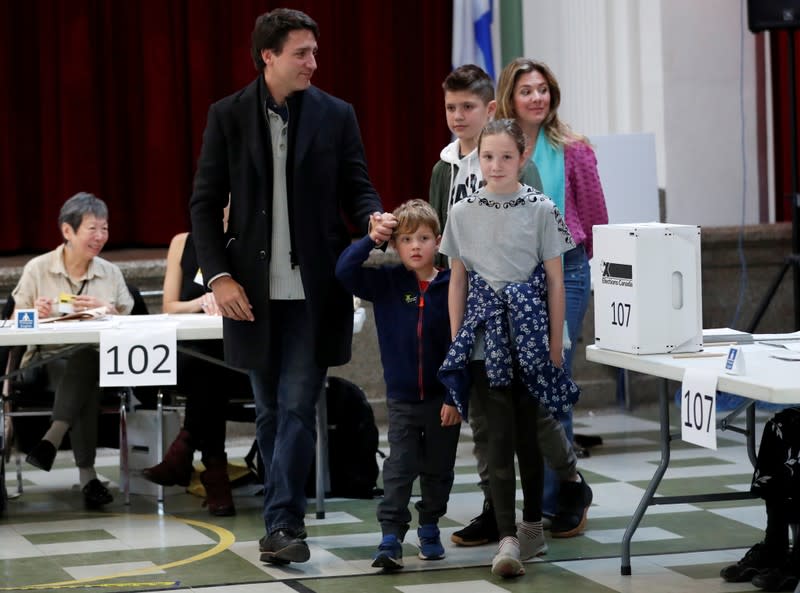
(352, 444)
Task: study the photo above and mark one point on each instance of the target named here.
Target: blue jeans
(286, 390)
(577, 285)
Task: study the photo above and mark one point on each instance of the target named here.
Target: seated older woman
(74, 268)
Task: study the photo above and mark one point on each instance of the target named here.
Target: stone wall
(764, 249)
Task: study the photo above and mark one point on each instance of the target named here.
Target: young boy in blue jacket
(411, 315)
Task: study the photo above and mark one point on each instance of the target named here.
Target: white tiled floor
(40, 538)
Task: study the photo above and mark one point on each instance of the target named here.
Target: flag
(472, 34)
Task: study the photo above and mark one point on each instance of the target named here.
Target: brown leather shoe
(219, 499)
(176, 468)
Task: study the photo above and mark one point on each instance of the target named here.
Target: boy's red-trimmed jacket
(413, 327)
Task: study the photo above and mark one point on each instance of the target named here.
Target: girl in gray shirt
(507, 304)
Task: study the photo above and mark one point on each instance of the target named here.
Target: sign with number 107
(141, 356)
(699, 408)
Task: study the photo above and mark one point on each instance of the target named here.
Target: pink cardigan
(584, 204)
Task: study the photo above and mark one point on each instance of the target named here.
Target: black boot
(42, 455)
(757, 559)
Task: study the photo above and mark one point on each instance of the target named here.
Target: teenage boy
(469, 104)
(411, 316)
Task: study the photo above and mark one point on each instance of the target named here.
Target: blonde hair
(557, 132)
(413, 214)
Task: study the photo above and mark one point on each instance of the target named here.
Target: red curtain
(782, 110)
(111, 97)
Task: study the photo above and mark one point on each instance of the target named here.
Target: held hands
(449, 415)
(231, 300)
(381, 226)
(208, 304)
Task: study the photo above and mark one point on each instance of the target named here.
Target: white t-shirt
(504, 237)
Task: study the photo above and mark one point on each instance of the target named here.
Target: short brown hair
(272, 28)
(413, 214)
(470, 78)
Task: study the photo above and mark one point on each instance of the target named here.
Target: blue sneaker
(430, 546)
(390, 554)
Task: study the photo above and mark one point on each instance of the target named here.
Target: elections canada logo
(617, 274)
(26, 319)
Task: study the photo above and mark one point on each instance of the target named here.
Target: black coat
(326, 180)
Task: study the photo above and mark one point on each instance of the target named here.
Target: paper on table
(96, 313)
(719, 335)
(84, 325)
(788, 337)
(128, 320)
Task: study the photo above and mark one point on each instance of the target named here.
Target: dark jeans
(556, 449)
(418, 446)
(286, 392)
(577, 285)
(511, 423)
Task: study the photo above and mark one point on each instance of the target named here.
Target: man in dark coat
(291, 158)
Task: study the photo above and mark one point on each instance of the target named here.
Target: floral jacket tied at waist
(516, 329)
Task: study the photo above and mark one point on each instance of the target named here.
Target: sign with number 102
(141, 356)
(699, 408)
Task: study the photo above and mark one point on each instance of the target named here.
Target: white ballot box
(143, 447)
(647, 288)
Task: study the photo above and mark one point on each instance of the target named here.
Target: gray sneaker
(531, 546)
(506, 562)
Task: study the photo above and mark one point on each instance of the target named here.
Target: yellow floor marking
(226, 539)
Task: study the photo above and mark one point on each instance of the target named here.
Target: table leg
(124, 467)
(750, 423)
(18, 466)
(160, 445)
(3, 493)
(322, 451)
(647, 498)
(3, 445)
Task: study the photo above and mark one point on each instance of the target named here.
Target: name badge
(65, 303)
